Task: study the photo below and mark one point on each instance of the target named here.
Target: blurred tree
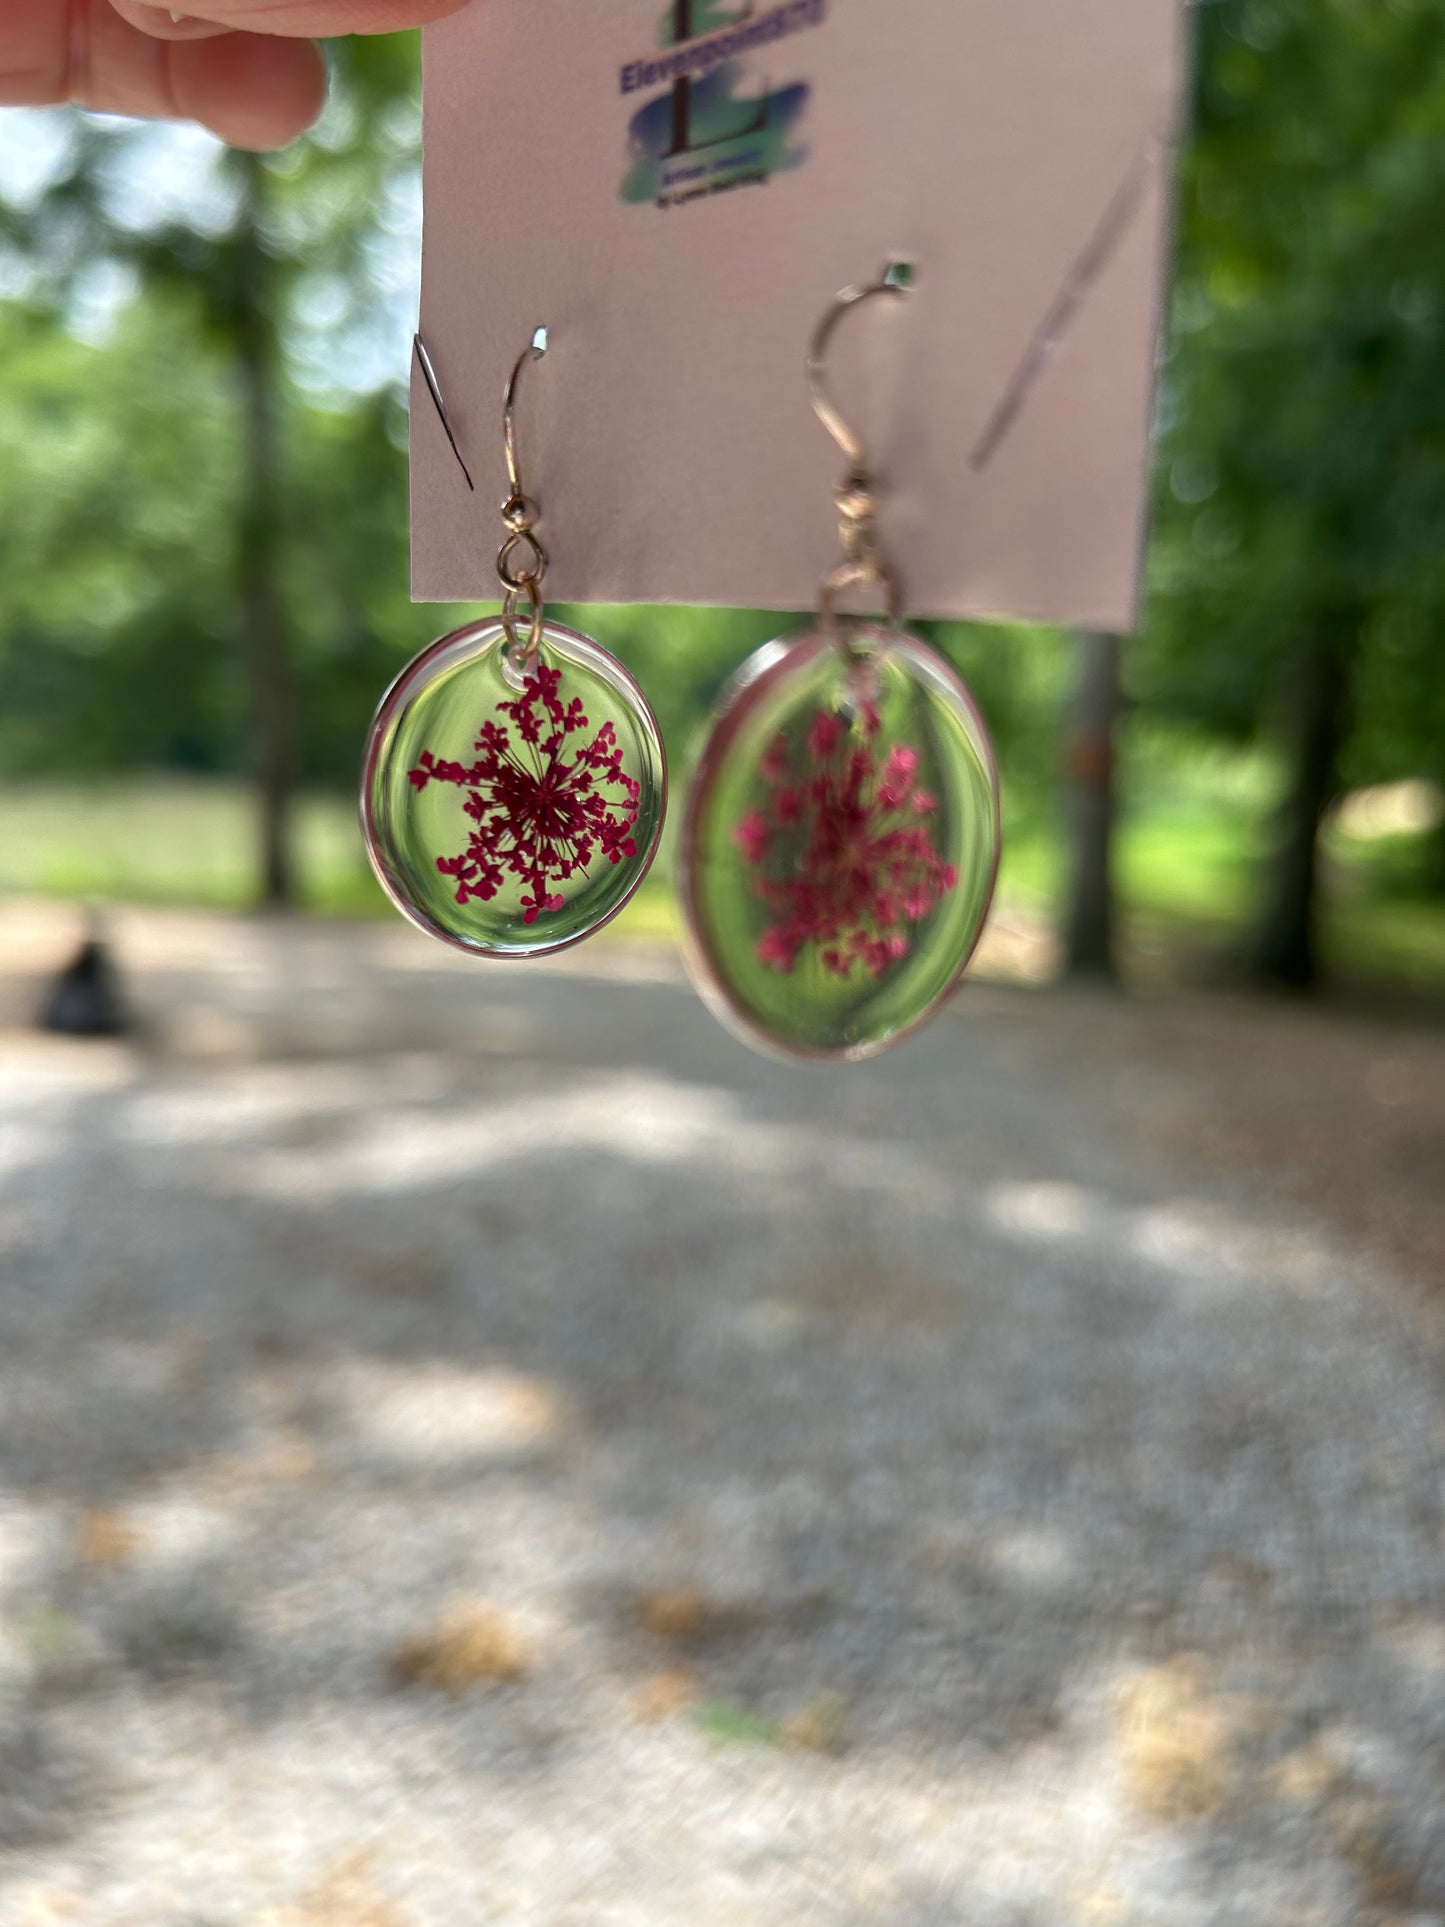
(252, 316)
(237, 326)
(1090, 757)
(114, 499)
(1299, 573)
(234, 333)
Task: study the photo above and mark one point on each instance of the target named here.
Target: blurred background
(610, 1478)
(203, 552)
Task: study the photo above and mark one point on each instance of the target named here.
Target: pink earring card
(676, 189)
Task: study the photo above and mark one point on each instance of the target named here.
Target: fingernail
(165, 21)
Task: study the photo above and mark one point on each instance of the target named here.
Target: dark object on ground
(85, 1000)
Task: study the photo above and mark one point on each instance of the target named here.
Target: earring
(514, 781)
(841, 836)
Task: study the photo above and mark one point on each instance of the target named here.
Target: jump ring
(517, 579)
(532, 589)
(857, 575)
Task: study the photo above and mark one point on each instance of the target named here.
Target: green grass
(734, 1725)
(1193, 838)
(168, 840)
(1193, 832)
(181, 841)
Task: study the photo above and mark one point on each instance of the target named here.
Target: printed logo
(706, 132)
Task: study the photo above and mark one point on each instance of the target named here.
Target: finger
(309, 19)
(163, 24)
(249, 89)
(34, 53)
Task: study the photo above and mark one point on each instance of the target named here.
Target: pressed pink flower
(843, 861)
(751, 836)
(825, 734)
(896, 785)
(776, 946)
(537, 815)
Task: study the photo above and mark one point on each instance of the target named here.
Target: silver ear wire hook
(520, 513)
(434, 390)
(895, 279)
(534, 351)
(864, 564)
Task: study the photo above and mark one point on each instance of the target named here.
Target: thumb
(305, 19)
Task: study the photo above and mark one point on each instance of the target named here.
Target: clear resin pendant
(512, 808)
(840, 844)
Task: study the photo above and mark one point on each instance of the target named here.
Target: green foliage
(1301, 489)
(1302, 485)
(121, 502)
(119, 645)
(113, 533)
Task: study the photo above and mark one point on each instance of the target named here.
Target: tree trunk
(1089, 762)
(259, 544)
(1286, 952)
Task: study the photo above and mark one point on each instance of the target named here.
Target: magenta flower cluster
(537, 815)
(843, 850)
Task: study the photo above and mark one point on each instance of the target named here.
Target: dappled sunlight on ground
(480, 1446)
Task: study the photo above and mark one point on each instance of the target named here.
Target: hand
(247, 69)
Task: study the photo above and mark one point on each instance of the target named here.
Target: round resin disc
(840, 844)
(508, 811)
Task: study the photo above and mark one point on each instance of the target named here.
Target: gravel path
(481, 1447)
